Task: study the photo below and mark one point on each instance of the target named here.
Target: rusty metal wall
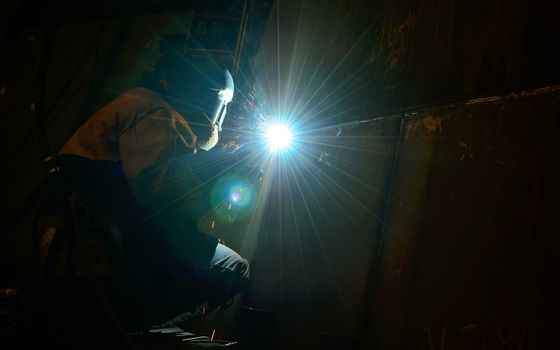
(472, 259)
(467, 234)
(316, 241)
(466, 223)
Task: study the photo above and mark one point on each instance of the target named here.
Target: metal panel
(473, 257)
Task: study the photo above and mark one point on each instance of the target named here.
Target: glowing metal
(278, 136)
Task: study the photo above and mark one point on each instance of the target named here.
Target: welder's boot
(181, 320)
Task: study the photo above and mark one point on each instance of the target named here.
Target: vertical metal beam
(374, 273)
(240, 39)
(40, 110)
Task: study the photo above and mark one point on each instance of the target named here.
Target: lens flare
(235, 196)
(232, 196)
(239, 194)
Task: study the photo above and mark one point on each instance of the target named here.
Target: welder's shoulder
(135, 101)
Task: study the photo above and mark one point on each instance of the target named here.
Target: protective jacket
(138, 129)
(153, 144)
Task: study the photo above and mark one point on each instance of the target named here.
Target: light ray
(318, 237)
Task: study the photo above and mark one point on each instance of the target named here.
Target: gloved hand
(211, 142)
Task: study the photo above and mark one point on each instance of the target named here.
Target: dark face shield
(202, 94)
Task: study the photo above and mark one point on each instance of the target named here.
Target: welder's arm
(211, 142)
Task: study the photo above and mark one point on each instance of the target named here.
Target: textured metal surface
(473, 253)
(469, 246)
(473, 180)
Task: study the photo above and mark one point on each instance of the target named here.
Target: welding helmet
(198, 88)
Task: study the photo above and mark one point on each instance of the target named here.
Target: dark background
(430, 221)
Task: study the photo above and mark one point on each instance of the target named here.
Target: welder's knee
(243, 273)
(228, 271)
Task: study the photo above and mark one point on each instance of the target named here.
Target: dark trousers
(168, 268)
(177, 290)
(225, 276)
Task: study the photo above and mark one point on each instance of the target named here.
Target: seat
(76, 233)
(79, 251)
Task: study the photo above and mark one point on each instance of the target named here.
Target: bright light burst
(278, 136)
(314, 179)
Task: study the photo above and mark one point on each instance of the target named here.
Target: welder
(152, 133)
